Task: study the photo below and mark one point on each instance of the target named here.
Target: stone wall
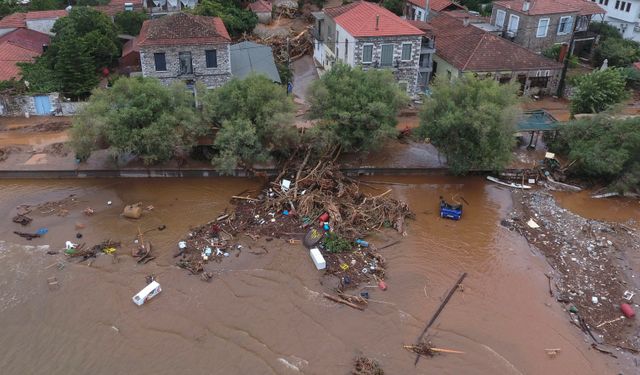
(404, 71)
(211, 77)
(18, 105)
(528, 26)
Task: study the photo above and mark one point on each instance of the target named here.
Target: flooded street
(264, 314)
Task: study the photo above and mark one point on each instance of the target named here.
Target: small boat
(147, 293)
(509, 184)
(450, 211)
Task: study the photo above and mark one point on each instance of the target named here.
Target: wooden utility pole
(565, 65)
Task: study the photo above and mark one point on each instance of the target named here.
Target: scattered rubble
(585, 253)
(366, 366)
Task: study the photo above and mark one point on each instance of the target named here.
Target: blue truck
(450, 211)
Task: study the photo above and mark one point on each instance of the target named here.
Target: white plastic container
(147, 293)
(317, 258)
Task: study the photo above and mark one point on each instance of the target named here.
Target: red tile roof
(539, 7)
(428, 29)
(14, 20)
(183, 29)
(46, 14)
(469, 48)
(25, 38)
(260, 6)
(10, 54)
(437, 5)
(359, 20)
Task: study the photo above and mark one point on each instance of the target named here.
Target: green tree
(8, 7)
(89, 27)
(604, 148)
(605, 30)
(46, 5)
(598, 90)
(236, 19)
(617, 52)
(92, 2)
(472, 122)
(130, 22)
(255, 117)
(85, 41)
(139, 116)
(357, 108)
(395, 6)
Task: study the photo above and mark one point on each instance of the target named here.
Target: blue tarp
(536, 121)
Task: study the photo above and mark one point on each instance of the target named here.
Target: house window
(387, 55)
(406, 51)
(606, 2)
(500, 15)
(186, 67)
(543, 26)
(418, 15)
(211, 55)
(564, 26)
(617, 4)
(367, 53)
(513, 23)
(448, 74)
(540, 82)
(628, 7)
(160, 62)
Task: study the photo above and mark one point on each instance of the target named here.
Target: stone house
(263, 9)
(367, 35)
(465, 49)
(162, 7)
(624, 15)
(185, 47)
(421, 10)
(539, 24)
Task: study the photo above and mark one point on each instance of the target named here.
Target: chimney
(427, 10)
(465, 21)
(377, 21)
(526, 5)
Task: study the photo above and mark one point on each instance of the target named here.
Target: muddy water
(616, 209)
(264, 314)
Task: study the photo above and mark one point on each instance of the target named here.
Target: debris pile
(319, 201)
(59, 208)
(366, 366)
(585, 253)
(75, 251)
(285, 47)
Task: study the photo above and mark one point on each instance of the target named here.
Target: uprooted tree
(604, 149)
(472, 122)
(139, 116)
(255, 121)
(357, 108)
(236, 19)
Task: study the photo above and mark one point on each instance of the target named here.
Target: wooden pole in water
(435, 316)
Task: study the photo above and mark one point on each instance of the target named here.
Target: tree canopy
(130, 22)
(358, 108)
(237, 20)
(617, 51)
(604, 148)
(85, 41)
(138, 116)
(255, 117)
(395, 6)
(598, 90)
(471, 121)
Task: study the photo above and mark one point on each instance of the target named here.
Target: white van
(147, 293)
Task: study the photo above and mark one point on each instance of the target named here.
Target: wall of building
(43, 26)
(264, 17)
(624, 21)
(416, 13)
(442, 68)
(343, 39)
(404, 71)
(528, 26)
(6, 31)
(18, 105)
(211, 77)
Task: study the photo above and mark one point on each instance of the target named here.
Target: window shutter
(387, 55)
(406, 52)
(160, 61)
(367, 54)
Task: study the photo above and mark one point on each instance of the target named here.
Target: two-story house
(185, 47)
(367, 35)
(422, 10)
(539, 24)
(624, 15)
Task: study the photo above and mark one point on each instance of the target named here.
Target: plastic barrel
(627, 310)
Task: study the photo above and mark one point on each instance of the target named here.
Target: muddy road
(264, 314)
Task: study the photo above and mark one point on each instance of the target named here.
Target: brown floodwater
(616, 209)
(264, 314)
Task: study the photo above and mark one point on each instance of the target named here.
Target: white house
(624, 15)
